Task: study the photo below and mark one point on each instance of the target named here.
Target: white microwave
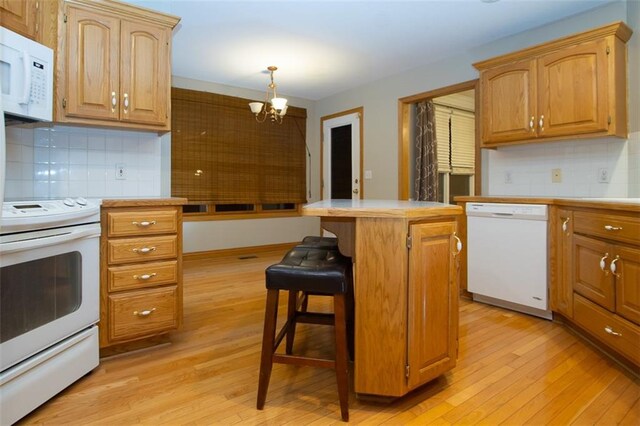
(26, 77)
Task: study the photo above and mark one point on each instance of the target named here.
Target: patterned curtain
(426, 183)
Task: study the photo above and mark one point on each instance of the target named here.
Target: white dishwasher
(507, 256)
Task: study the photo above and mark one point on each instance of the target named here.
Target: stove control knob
(81, 201)
(69, 202)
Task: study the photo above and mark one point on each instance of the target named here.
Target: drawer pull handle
(603, 263)
(613, 267)
(144, 277)
(541, 123)
(144, 224)
(458, 245)
(144, 313)
(531, 123)
(144, 250)
(565, 224)
(610, 331)
(613, 228)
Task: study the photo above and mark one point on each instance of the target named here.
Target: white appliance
(507, 256)
(49, 300)
(26, 77)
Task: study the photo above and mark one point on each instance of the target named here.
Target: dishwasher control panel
(516, 211)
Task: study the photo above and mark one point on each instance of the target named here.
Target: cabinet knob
(144, 277)
(144, 250)
(114, 101)
(609, 330)
(603, 264)
(532, 123)
(613, 267)
(144, 313)
(144, 223)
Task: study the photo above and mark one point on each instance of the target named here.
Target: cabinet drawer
(149, 274)
(129, 250)
(597, 321)
(136, 314)
(609, 226)
(123, 224)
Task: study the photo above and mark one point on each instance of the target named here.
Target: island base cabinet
(406, 304)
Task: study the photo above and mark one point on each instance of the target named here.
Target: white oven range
(49, 300)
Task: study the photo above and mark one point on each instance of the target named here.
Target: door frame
(404, 143)
(360, 112)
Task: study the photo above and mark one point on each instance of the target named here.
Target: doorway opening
(341, 155)
(456, 133)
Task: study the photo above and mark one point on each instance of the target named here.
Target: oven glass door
(49, 288)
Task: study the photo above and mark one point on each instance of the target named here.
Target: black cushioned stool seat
(319, 242)
(309, 270)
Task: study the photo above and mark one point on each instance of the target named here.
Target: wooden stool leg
(291, 320)
(268, 340)
(339, 306)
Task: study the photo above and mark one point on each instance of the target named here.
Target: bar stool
(311, 271)
(319, 242)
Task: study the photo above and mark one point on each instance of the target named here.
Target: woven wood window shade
(241, 161)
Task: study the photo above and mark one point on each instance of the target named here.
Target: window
(224, 162)
(455, 133)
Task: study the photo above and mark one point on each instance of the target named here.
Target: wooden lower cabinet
(595, 280)
(141, 271)
(406, 284)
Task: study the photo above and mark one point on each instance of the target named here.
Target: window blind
(462, 142)
(220, 154)
(442, 116)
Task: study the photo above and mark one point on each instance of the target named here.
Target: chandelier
(273, 106)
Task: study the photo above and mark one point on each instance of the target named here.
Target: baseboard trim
(238, 251)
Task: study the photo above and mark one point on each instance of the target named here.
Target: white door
(341, 157)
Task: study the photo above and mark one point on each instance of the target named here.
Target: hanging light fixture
(273, 106)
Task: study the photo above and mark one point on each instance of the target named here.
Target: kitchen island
(406, 288)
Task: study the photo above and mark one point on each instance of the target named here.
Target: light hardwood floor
(512, 369)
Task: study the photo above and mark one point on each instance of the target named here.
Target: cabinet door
(92, 64)
(145, 74)
(508, 102)
(561, 288)
(572, 90)
(432, 302)
(628, 283)
(19, 16)
(593, 280)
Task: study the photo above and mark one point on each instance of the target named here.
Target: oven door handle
(50, 238)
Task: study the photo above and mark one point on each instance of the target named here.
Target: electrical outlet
(368, 174)
(121, 171)
(603, 175)
(556, 175)
(507, 177)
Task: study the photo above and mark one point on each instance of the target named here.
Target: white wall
(223, 234)
(379, 100)
(61, 161)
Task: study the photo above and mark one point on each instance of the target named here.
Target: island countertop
(380, 208)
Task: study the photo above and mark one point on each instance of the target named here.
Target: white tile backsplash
(580, 162)
(63, 161)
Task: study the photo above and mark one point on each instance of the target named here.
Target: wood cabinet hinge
(64, 102)
(65, 19)
(609, 120)
(608, 50)
(407, 369)
(409, 241)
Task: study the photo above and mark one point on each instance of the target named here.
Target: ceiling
(325, 47)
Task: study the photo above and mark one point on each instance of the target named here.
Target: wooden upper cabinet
(116, 66)
(572, 87)
(433, 296)
(145, 73)
(20, 16)
(508, 101)
(573, 90)
(92, 63)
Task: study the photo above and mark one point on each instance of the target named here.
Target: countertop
(379, 208)
(627, 204)
(143, 202)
